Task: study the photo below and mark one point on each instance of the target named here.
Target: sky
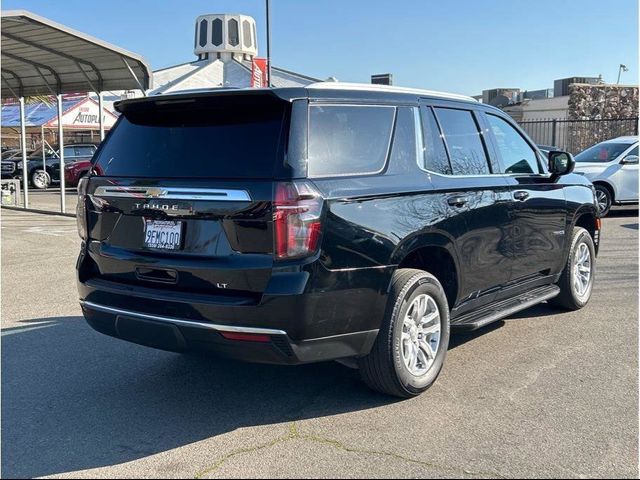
(461, 46)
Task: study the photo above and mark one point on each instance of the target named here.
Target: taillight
(81, 209)
(296, 212)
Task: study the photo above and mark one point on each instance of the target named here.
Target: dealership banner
(84, 115)
(259, 73)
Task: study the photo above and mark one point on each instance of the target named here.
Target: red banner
(259, 73)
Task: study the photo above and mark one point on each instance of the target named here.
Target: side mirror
(630, 160)
(561, 163)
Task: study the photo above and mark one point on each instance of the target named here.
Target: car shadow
(73, 399)
(541, 310)
(459, 338)
(622, 212)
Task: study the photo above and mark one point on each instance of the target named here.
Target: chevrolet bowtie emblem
(155, 192)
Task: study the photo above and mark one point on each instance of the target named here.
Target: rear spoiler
(192, 96)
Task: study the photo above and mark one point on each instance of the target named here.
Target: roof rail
(386, 88)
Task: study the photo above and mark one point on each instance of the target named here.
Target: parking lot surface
(49, 199)
(541, 394)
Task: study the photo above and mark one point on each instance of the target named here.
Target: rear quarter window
(348, 139)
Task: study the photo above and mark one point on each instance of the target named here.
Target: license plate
(162, 234)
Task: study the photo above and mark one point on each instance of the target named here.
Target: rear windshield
(237, 138)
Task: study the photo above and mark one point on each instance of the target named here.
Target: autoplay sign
(84, 114)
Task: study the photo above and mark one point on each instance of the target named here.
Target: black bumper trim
(176, 334)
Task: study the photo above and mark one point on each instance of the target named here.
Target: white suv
(612, 167)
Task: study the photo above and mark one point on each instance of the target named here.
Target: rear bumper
(308, 313)
(176, 334)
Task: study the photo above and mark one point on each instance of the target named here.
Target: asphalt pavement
(49, 199)
(542, 394)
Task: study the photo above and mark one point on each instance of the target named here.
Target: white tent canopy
(42, 57)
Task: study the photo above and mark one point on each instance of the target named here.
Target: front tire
(576, 282)
(604, 198)
(412, 343)
(40, 179)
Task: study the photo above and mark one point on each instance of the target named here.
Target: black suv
(10, 161)
(333, 222)
(37, 176)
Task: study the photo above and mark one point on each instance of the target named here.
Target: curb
(44, 212)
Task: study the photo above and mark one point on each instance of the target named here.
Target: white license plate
(162, 234)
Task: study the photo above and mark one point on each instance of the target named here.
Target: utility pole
(623, 68)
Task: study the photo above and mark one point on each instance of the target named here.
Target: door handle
(521, 195)
(457, 201)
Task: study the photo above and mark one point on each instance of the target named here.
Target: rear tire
(412, 343)
(576, 282)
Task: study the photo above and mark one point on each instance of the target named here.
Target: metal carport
(42, 57)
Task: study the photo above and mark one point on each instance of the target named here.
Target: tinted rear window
(348, 140)
(435, 155)
(217, 139)
(463, 139)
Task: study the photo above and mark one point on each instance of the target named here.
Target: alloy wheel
(582, 270)
(602, 197)
(40, 179)
(421, 335)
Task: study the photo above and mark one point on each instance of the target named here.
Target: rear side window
(85, 151)
(240, 138)
(348, 140)
(70, 152)
(517, 155)
(435, 155)
(466, 150)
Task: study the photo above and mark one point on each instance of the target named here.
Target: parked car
(73, 172)
(39, 178)
(10, 160)
(545, 149)
(10, 153)
(612, 166)
(335, 222)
